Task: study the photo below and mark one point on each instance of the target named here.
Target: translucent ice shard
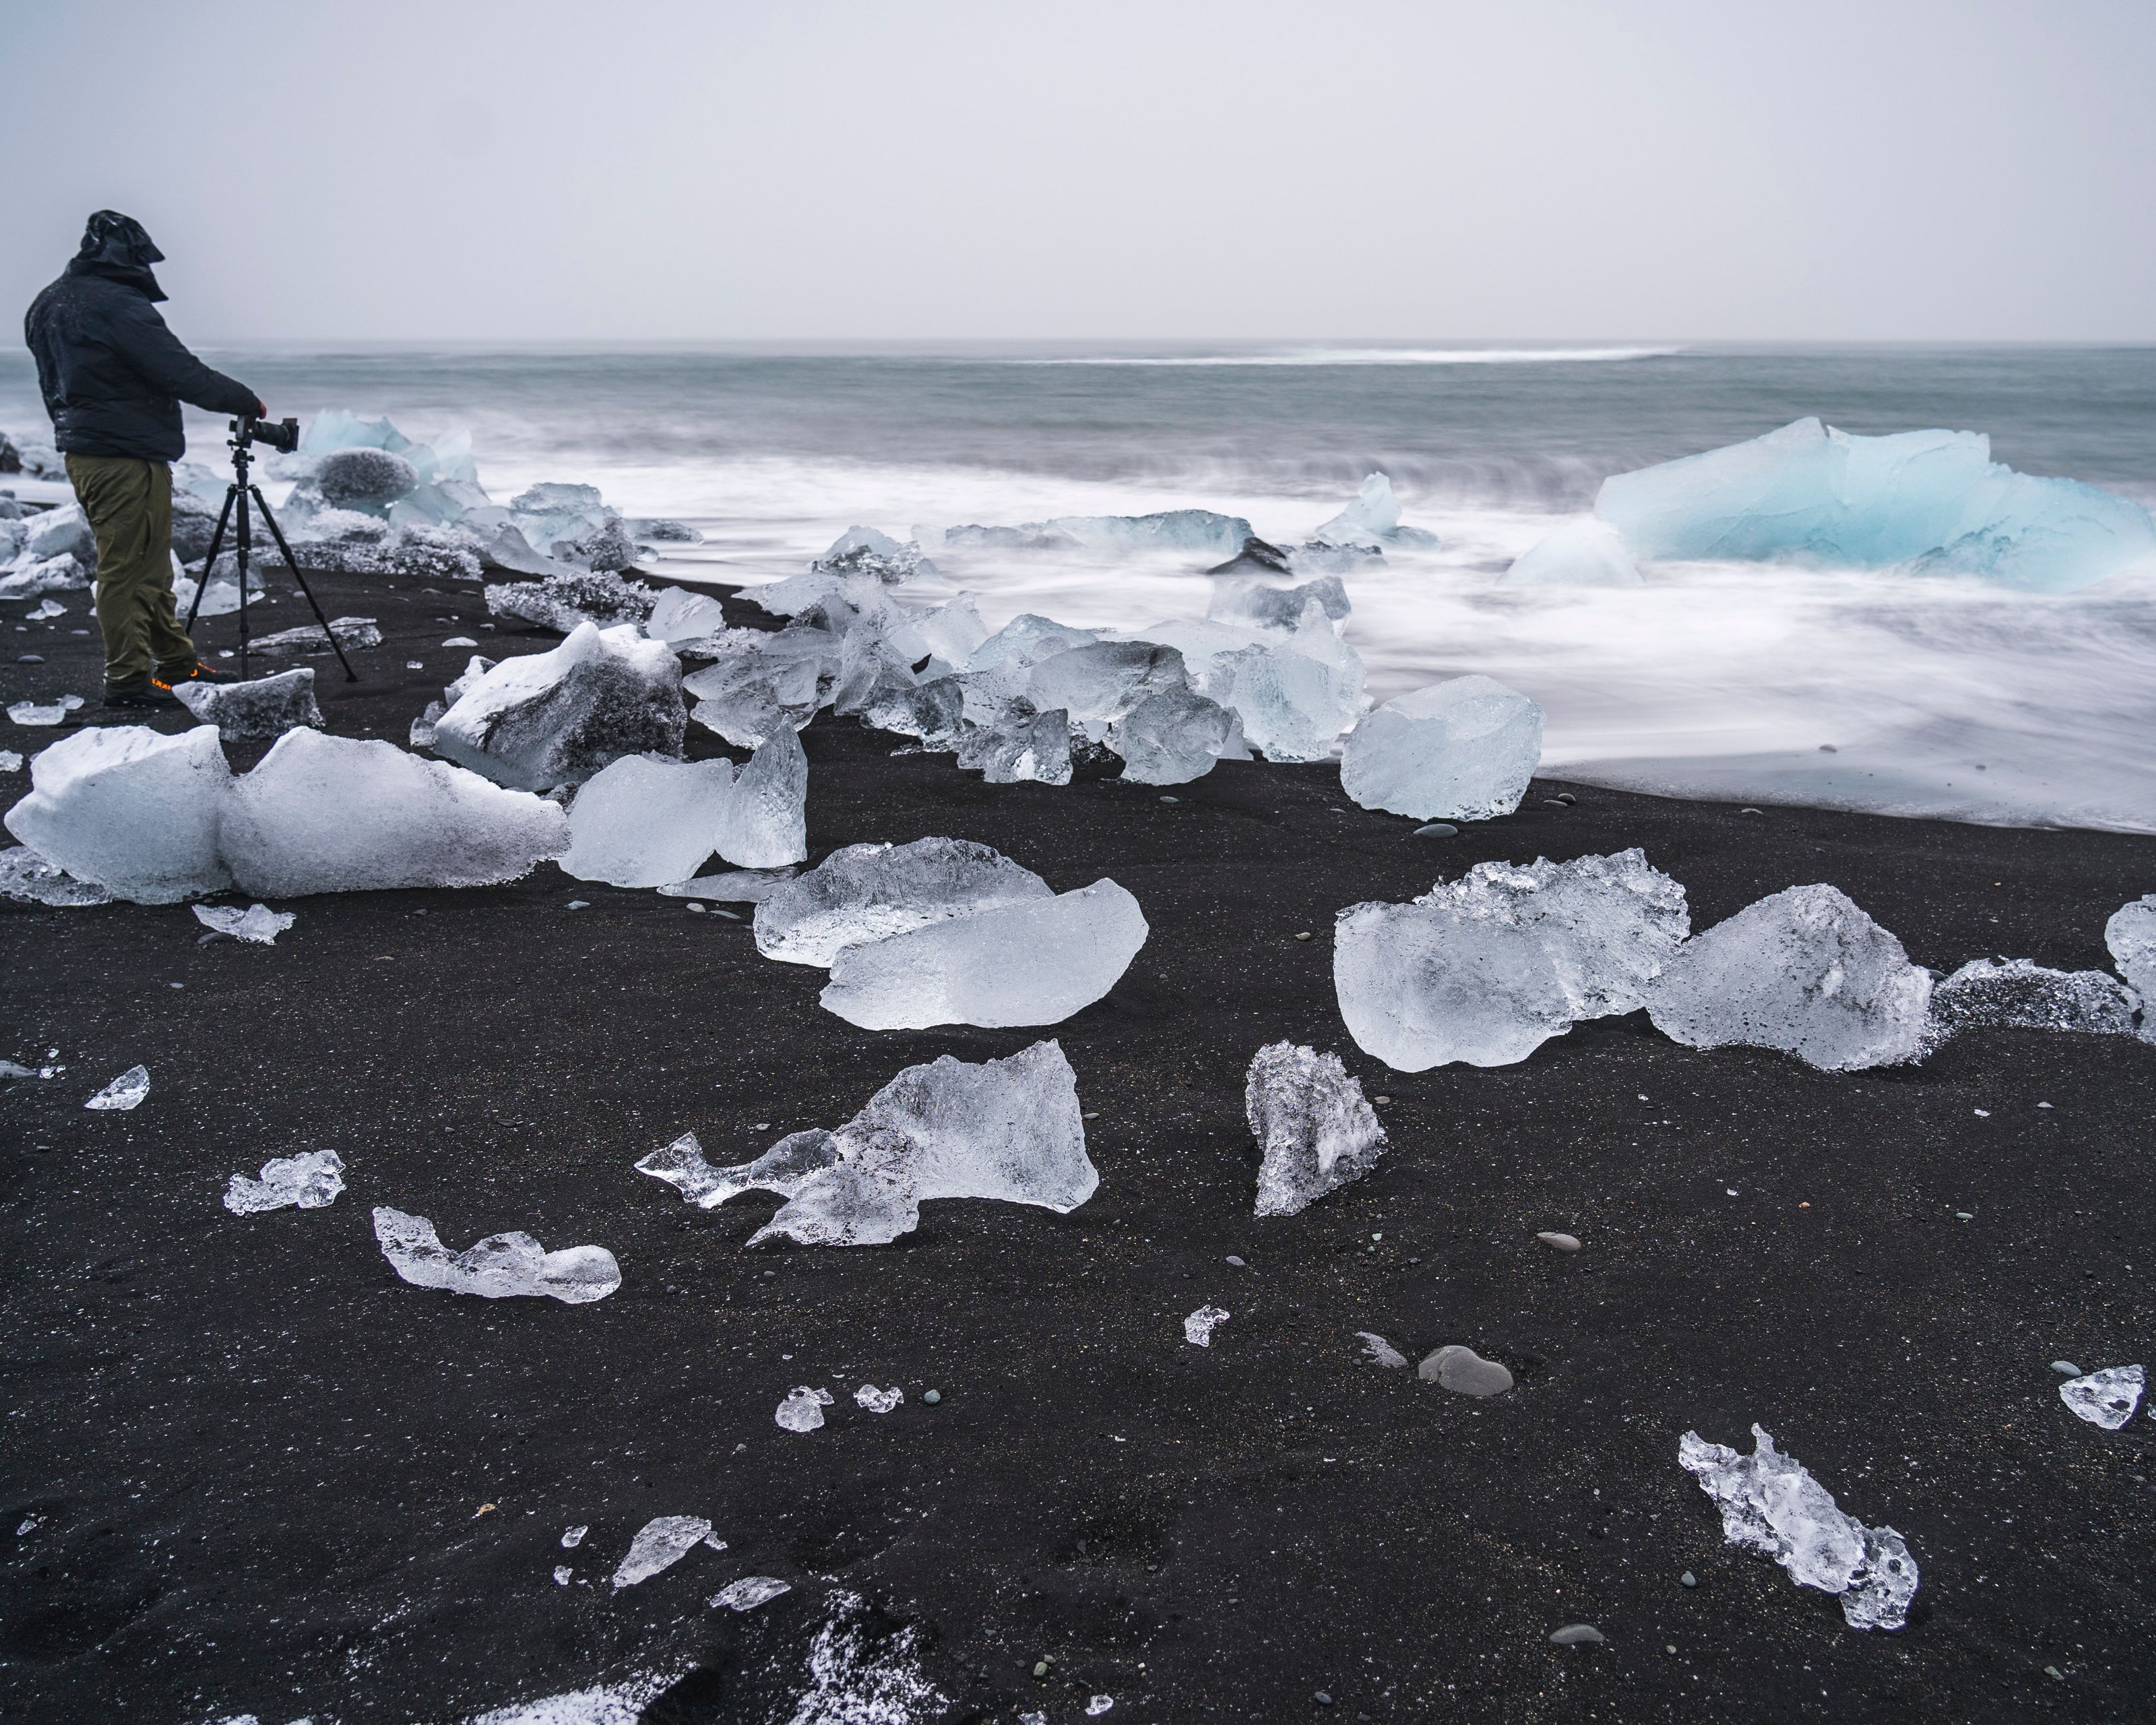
(680, 617)
(764, 824)
(28, 878)
(734, 887)
(125, 1092)
(131, 810)
(258, 924)
(353, 633)
(2130, 936)
(1198, 1328)
(1260, 604)
(866, 892)
(1460, 750)
(1769, 1504)
(1035, 963)
(844, 1203)
(646, 820)
(500, 1266)
(1805, 970)
(42, 715)
(1022, 747)
(781, 1168)
(879, 1401)
(803, 1410)
(268, 707)
(1102, 680)
(933, 711)
(750, 1592)
(2014, 993)
(308, 1181)
(1174, 737)
(659, 1544)
(1316, 1131)
(1582, 553)
(1371, 522)
(2108, 1398)
(553, 718)
(1295, 694)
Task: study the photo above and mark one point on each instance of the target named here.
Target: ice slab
(2015, 994)
(1315, 1129)
(499, 1267)
(750, 1592)
(764, 824)
(868, 892)
(803, 1410)
(309, 1181)
(1021, 964)
(552, 718)
(1771, 1505)
(1198, 1328)
(1933, 501)
(1582, 553)
(131, 810)
(39, 715)
(268, 707)
(258, 924)
(2108, 1398)
(1805, 970)
(1260, 604)
(28, 878)
(737, 886)
(659, 1544)
(354, 635)
(125, 1092)
(1463, 749)
(646, 820)
(2130, 937)
(878, 1401)
(565, 603)
(324, 814)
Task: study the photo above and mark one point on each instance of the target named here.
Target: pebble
(1090, 1114)
(1553, 803)
(931, 1396)
(2066, 1368)
(578, 904)
(1751, 811)
(1465, 1370)
(30, 659)
(693, 905)
(1235, 1260)
(1322, 1699)
(1438, 829)
(1563, 1242)
(1577, 1634)
(1688, 1580)
(1567, 799)
(1382, 1102)
(1304, 935)
(1041, 1668)
(731, 915)
(1170, 799)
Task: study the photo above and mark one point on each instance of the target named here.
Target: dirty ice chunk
(545, 718)
(1460, 750)
(1034, 963)
(1198, 1328)
(2015, 994)
(1770, 1504)
(750, 1592)
(645, 820)
(1463, 1370)
(659, 1544)
(2108, 1398)
(1582, 553)
(1019, 746)
(781, 1168)
(764, 824)
(1379, 1352)
(124, 1092)
(1315, 1129)
(1425, 984)
(879, 1401)
(2131, 936)
(803, 1410)
(500, 1266)
(268, 707)
(131, 810)
(28, 878)
(869, 892)
(308, 1181)
(258, 924)
(353, 633)
(1805, 970)
(735, 886)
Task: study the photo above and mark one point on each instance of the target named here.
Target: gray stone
(2066, 1368)
(1438, 829)
(1563, 1242)
(1463, 1369)
(1577, 1634)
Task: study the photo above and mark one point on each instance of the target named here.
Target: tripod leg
(239, 547)
(209, 563)
(299, 575)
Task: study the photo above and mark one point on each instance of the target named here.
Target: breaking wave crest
(1372, 356)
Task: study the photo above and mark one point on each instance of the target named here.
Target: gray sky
(657, 169)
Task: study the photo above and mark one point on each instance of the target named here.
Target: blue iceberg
(1933, 502)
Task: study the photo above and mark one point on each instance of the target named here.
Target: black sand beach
(254, 1472)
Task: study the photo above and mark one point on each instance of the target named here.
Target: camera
(281, 434)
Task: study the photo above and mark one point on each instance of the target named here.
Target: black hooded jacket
(112, 375)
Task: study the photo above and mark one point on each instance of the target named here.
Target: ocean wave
(1371, 357)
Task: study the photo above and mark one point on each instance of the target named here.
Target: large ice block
(764, 823)
(646, 820)
(131, 810)
(1463, 749)
(868, 892)
(1315, 1131)
(499, 1267)
(1582, 553)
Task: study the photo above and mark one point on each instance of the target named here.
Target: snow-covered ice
(660, 1544)
(1463, 749)
(878, 1401)
(1198, 1328)
(1771, 1505)
(750, 1592)
(2015, 994)
(308, 1181)
(1315, 1129)
(868, 892)
(125, 1092)
(268, 707)
(498, 1267)
(2108, 1398)
(28, 578)
(258, 924)
(129, 809)
(647, 820)
(803, 1410)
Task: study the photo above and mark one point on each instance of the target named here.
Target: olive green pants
(130, 505)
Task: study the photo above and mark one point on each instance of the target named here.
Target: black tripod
(245, 433)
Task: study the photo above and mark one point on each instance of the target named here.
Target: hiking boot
(199, 672)
(143, 695)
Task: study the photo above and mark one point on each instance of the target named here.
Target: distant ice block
(646, 820)
(1933, 501)
(1174, 737)
(354, 635)
(1771, 1505)
(1198, 1328)
(125, 1092)
(1021, 964)
(659, 530)
(258, 924)
(1371, 522)
(659, 1544)
(322, 814)
(1463, 749)
(499, 1267)
(1314, 1129)
(764, 824)
(309, 1181)
(750, 1592)
(868, 892)
(129, 809)
(1261, 604)
(565, 603)
(267, 707)
(28, 878)
(1581, 553)
(1102, 680)
(546, 719)
(2130, 936)
(1199, 532)
(1804, 971)
(28, 578)
(879, 1401)
(2015, 995)
(803, 1410)
(2108, 1398)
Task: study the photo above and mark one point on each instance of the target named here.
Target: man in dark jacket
(113, 377)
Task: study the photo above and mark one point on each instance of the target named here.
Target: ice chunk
(659, 1544)
(1025, 641)
(803, 1410)
(129, 809)
(1769, 1504)
(546, 719)
(125, 1092)
(751, 694)
(1805, 970)
(573, 525)
(2014, 993)
(10, 760)
(353, 633)
(843, 1204)
(1104, 679)
(28, 878)
(867, 893)
(2130, 937)
(863, 551)
(1025, 747)
(1198, 531)
(750, 1592)
(309, 1181)
(645, 820)
(44, 611)
(500, 1266)
(1315, 1129)
(1582, 553)
(1021, 964)
(738, 887)
(324, 814)
(933, 711)
(360, 478)
(572, 1538)
(34, 715)
(2108, 1398)
(781, 1168)
(1460, 750)
(953, 631)
(681, 618)
(65, 531)
(659, 530)
(879, 1401)
(1175, 737)
(564, 602)
(1198, 1328)
(764, 824)
(863, 1668)
(257, 924)
(1371, 522)
(66, 573)
(1933, 501)
(1295, 695)
(1379, 1352)
(1261, 604)
(268, 707)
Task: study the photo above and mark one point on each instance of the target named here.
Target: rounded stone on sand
(1462, 1369)
(2066, 1368)
(1563, 1242)
(1437, 829)
(931, 1396)
(1577, 1634)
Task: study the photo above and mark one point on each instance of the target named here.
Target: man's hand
(261, 410)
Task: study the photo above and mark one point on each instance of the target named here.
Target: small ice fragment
(500, 1266)
(563, 1572)
(738, 887)
(1456, 1367)
(34, 715)
(1463, 749)
(1379, 1352)
(659, 1544)
(1563, 1242)
(1099, 1704)
(750, 1592)
(572, 1538)
(258, 924)
(28, 1526)
(869, 892)
(2015, 994)
(879, 1401)
(1770, 1504)
(1577, 1634)
(124, 1091)
(10, 760)
(803, 1410)
(1198, 1328)
(1315, 1129)
(309, 1181)
(2108, 1398)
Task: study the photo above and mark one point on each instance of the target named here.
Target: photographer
(113, 377)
